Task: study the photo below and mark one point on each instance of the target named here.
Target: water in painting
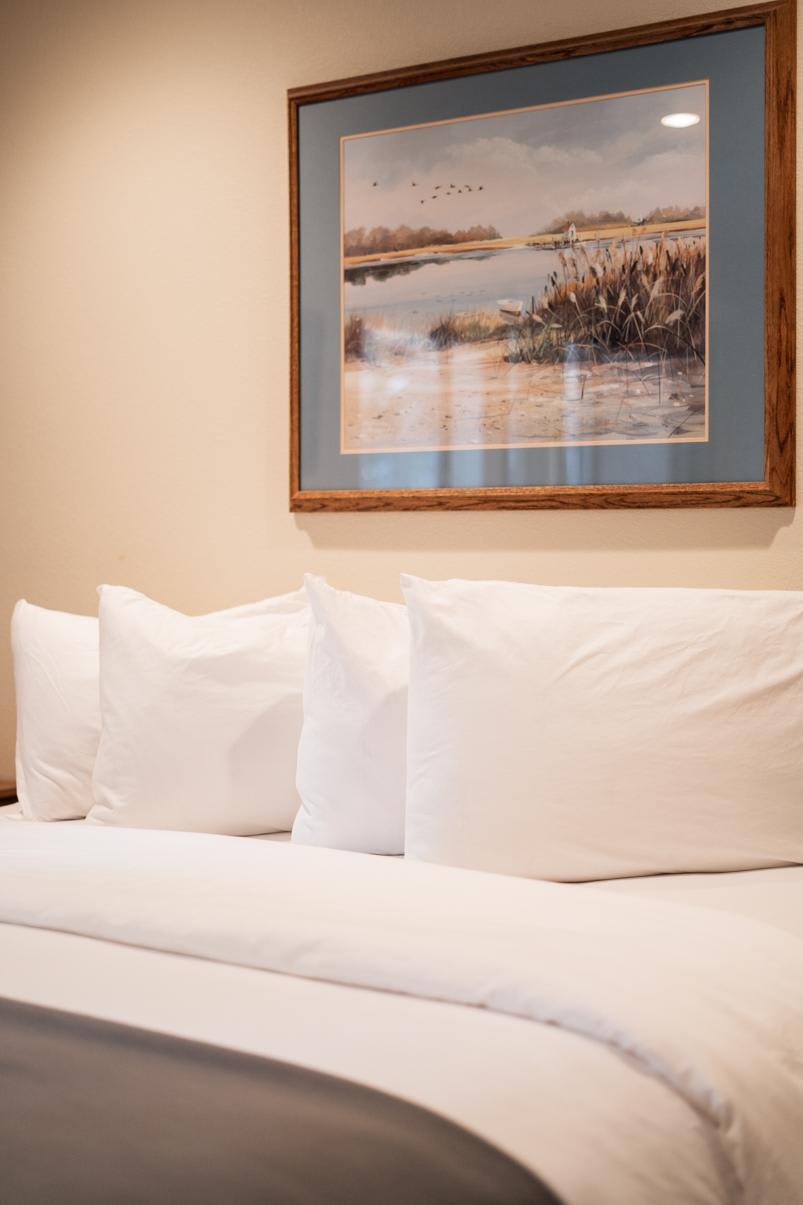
(528, 278)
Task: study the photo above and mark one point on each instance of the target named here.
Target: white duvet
(628, 1049)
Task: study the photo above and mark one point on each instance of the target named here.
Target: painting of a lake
(528, 278)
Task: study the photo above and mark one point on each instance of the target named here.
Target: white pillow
(352, 752)
(201, 715)
(58, 713)
(589, 733)
(56, 676)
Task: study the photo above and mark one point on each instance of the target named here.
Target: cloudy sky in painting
(533, 166)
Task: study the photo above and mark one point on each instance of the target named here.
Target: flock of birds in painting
(451, 189)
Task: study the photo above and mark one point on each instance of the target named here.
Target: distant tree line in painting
(607, 217)
(380, 239)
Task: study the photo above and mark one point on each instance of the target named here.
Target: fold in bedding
(124, 1114)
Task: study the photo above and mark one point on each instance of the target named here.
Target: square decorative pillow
(351, 759)
(201, 715)
(573, 734)
(58, 712)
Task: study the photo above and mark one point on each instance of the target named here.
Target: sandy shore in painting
(468, 396)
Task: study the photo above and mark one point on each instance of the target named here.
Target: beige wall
(143, 332)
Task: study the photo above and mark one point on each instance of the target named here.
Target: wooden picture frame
(774, 484)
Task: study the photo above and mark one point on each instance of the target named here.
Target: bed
(475, 975)
(631, 1041)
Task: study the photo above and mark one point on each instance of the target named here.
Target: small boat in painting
(511, 307)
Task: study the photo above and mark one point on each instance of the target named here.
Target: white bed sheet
(773, 895)
(770, 894)
(13, 812)
(555, 1100)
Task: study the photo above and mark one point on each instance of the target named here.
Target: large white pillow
(58, 712)
(201, 715)
(596, 733)
(352, 751)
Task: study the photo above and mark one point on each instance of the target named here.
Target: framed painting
(557, 276)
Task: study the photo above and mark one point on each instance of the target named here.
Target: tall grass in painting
(633, 300)
(354, 338)
(476, 326)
